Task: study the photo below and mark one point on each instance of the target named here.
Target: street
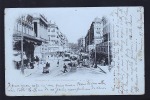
(58, 71)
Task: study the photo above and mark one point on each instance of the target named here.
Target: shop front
(29, 45)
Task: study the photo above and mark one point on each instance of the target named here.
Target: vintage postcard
(74, 51)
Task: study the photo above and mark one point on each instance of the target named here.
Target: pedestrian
(37, 60)
(78, 61)
(74, 65)
(103, 62)
(47, 65)
(70, 64)
(65, 68)
(95, 65)
(46, 68)
(17, 64)
(31, 65)
(58, 63)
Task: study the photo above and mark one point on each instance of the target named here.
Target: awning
(29, 37)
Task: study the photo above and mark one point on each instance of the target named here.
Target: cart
(45, 69)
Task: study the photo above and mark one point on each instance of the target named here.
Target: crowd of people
(27, 63)
(81, 60)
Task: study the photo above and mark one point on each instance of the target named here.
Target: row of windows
(98, 28)
(52, 35)
(24, 21)
(53, 30)
(42, 25)
(44, 49)
(104, 44)
(44, 46)
(24, 25)
(98, 32)
(102, 49)
(26, 30)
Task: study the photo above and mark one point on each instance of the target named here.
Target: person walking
(47, 65)
(17, 64)
(65, 68)
(58, 63)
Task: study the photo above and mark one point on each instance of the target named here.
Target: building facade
(53, 45)
(57, 40)
(40, 29)
(104, 47)
(81, 44)
(26, 33)
(88, 41)
(94, 35)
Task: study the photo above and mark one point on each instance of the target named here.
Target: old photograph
(74, 51)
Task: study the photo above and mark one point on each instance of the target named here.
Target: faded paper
(102, 48)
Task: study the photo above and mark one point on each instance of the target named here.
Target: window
(35, 28)
(53, 30)
(25, 29)
(53, 40)
(104, 50)
(52, 35)
(48, 30)
(98, 32)
(28, 30)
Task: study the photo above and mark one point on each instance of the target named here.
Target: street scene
(41, 48)
(74, 51)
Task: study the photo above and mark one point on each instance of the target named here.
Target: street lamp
(95, 53)
(109, 67)
(108, 51)
(22, 65)
(89, 48)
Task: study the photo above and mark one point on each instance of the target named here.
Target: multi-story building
(94, 34)
(66, 46)
(103, 48)
(28, 29)
(87, 41)
(53, 34)
(81, 44)
(61, 41)
(73, 47)
(40, 29)
(57, 40)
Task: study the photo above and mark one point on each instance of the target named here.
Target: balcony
(24, 33)
(17, 36)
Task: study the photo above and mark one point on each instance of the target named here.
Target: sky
(74, 22)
